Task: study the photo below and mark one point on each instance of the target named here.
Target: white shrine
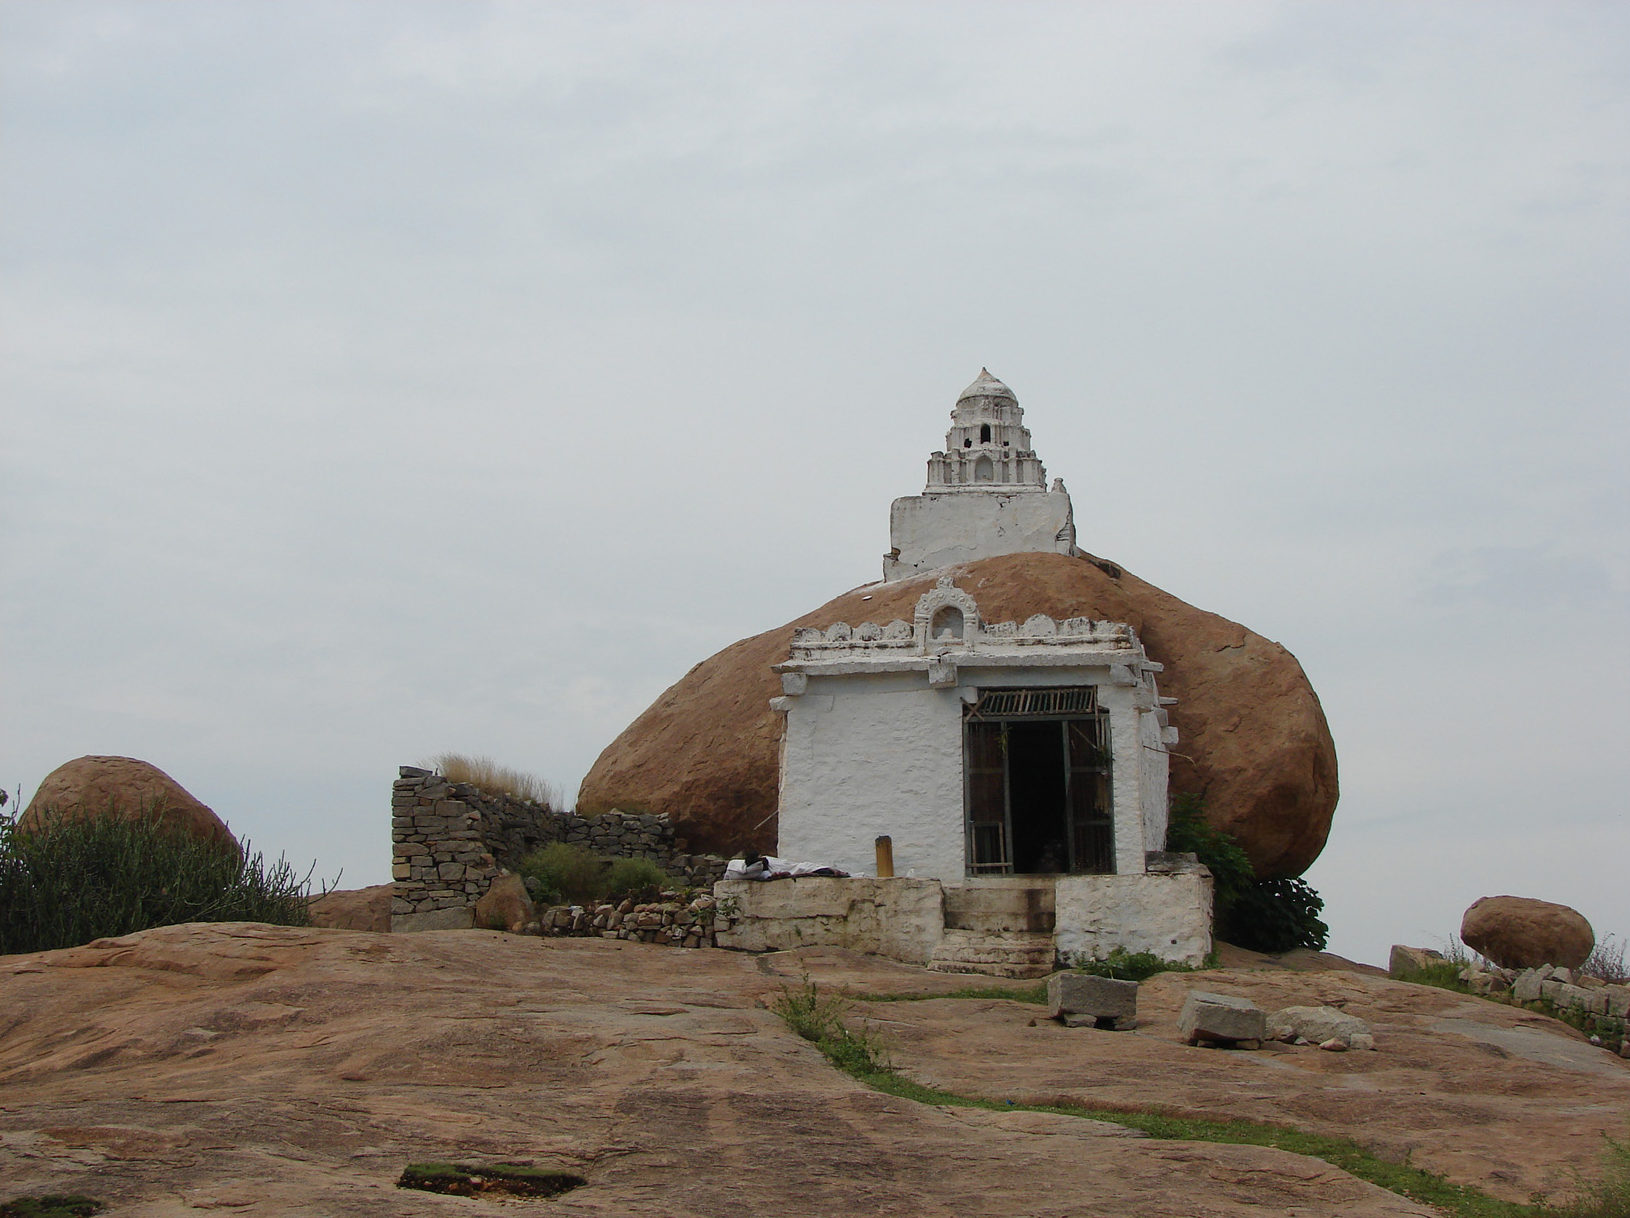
(1018, 771)
(986, 494)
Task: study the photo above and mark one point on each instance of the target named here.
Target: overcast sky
(386, 379)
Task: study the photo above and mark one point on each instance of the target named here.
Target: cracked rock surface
(270, 1070)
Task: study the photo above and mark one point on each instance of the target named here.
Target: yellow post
(885, 858)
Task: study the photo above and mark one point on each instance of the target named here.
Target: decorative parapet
(947, 619)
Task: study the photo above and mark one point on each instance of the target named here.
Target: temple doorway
(1037, 783)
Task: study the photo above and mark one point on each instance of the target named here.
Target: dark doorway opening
(1035, 758)
(1037, 783)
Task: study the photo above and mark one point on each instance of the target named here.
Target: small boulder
(353, 909)
(1520, 932)
(1320, 1026)
(1082, 1000)
(1221, 1019)
(505, 906)
(126, 789)
(1406, 960)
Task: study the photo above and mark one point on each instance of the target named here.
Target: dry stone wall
(450, 840)
(673, 920)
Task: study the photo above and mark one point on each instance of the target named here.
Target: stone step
(1015, 954)
(1000, 906)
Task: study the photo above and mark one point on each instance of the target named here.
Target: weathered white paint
(901, 742)
(937, 530)
(986, 492)
(903, 919)
(1168, 914)
(873, 742)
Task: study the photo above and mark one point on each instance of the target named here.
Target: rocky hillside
(268, 1070)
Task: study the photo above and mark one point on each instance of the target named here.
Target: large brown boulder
(125, 788)
(1520, 932)
(1255, 745)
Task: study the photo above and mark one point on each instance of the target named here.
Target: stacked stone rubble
(450, 840)
(1561, 987)
(672, 920)
(1603, 1007)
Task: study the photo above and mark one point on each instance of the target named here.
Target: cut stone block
(1527, 986)
(1571, 995)
(1221, 1019)
(1081, 999)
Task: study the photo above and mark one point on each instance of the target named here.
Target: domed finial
(987, 386)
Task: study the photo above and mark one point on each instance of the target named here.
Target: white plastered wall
(865, 756)
(938, 530)
(873, 755)
(1166, 914)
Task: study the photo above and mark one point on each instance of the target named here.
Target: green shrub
(1260, 915)
(71, 881)
(1123, 965)
(568, 872)
(1275, 916)
(1190, 833)
(635, 879)
(576, 875)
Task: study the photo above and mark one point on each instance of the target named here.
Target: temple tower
(986, 495)
(988, 445)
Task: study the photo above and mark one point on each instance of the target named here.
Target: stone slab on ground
(1221, 1018)
(1090, 999)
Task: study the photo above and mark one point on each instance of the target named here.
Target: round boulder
(127, 789)
(1520, 932)
(1254, 743)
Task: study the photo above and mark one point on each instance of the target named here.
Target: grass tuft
(1608, 1197)
(495, 779)
(819, 1019)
